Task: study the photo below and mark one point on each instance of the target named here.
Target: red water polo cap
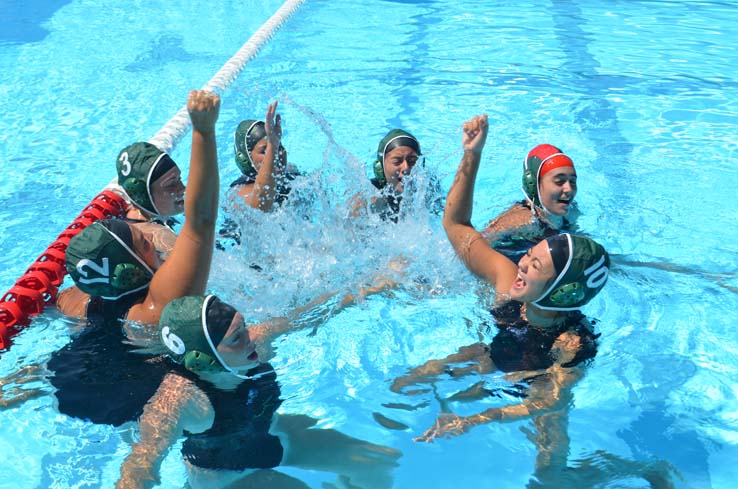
(551, 157)
(555, 161)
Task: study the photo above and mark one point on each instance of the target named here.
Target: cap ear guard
(243, 162)
(530, 178)
(127, 276)
(197, 361)
(240, 157)
(379, 172)
(136, 189)
(567, 295)
(530, 184)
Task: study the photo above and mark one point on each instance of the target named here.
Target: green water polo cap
(192, 327)
(394, 139)
(139, 165)
(102, 263)
(248, 133)
(582, 267)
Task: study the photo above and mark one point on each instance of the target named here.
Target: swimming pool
(641, 94)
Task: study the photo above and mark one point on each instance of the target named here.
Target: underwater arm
(13, 393)
(468, 243)
(548, 393)
(357, 206)
(311, 315)
(176, 406)
(428, 372)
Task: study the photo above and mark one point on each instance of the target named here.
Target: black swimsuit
(239, 438)
(392, 211)
(99, 376)
(520, 346)
(283, 184)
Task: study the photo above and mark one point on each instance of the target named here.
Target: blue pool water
(642, 95)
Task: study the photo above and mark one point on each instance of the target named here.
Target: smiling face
(167, 193)
(535, 272)
(557, 189)
(398, 163)
(236, 348)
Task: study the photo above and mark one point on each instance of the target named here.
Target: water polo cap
(541, 159)
(248, 133)
(102, 263)
(394, 139)
(582, 266)
(140, 165)
(192, 328)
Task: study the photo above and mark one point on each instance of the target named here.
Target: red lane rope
(38, 286)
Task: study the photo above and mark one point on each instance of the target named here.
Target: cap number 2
(102, 270)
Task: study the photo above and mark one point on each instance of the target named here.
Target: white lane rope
(177, 126)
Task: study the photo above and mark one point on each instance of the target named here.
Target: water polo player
(117, 264)
(265, 174)
(550, 185)
(397, 154)
(223, 399)
(537, 301)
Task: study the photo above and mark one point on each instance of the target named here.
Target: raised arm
(469, 244)
(186, 270)
(176, 406)
(261, 194)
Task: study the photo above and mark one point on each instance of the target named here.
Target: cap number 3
(126, 165)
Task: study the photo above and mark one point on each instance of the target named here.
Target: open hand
(273, 129)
